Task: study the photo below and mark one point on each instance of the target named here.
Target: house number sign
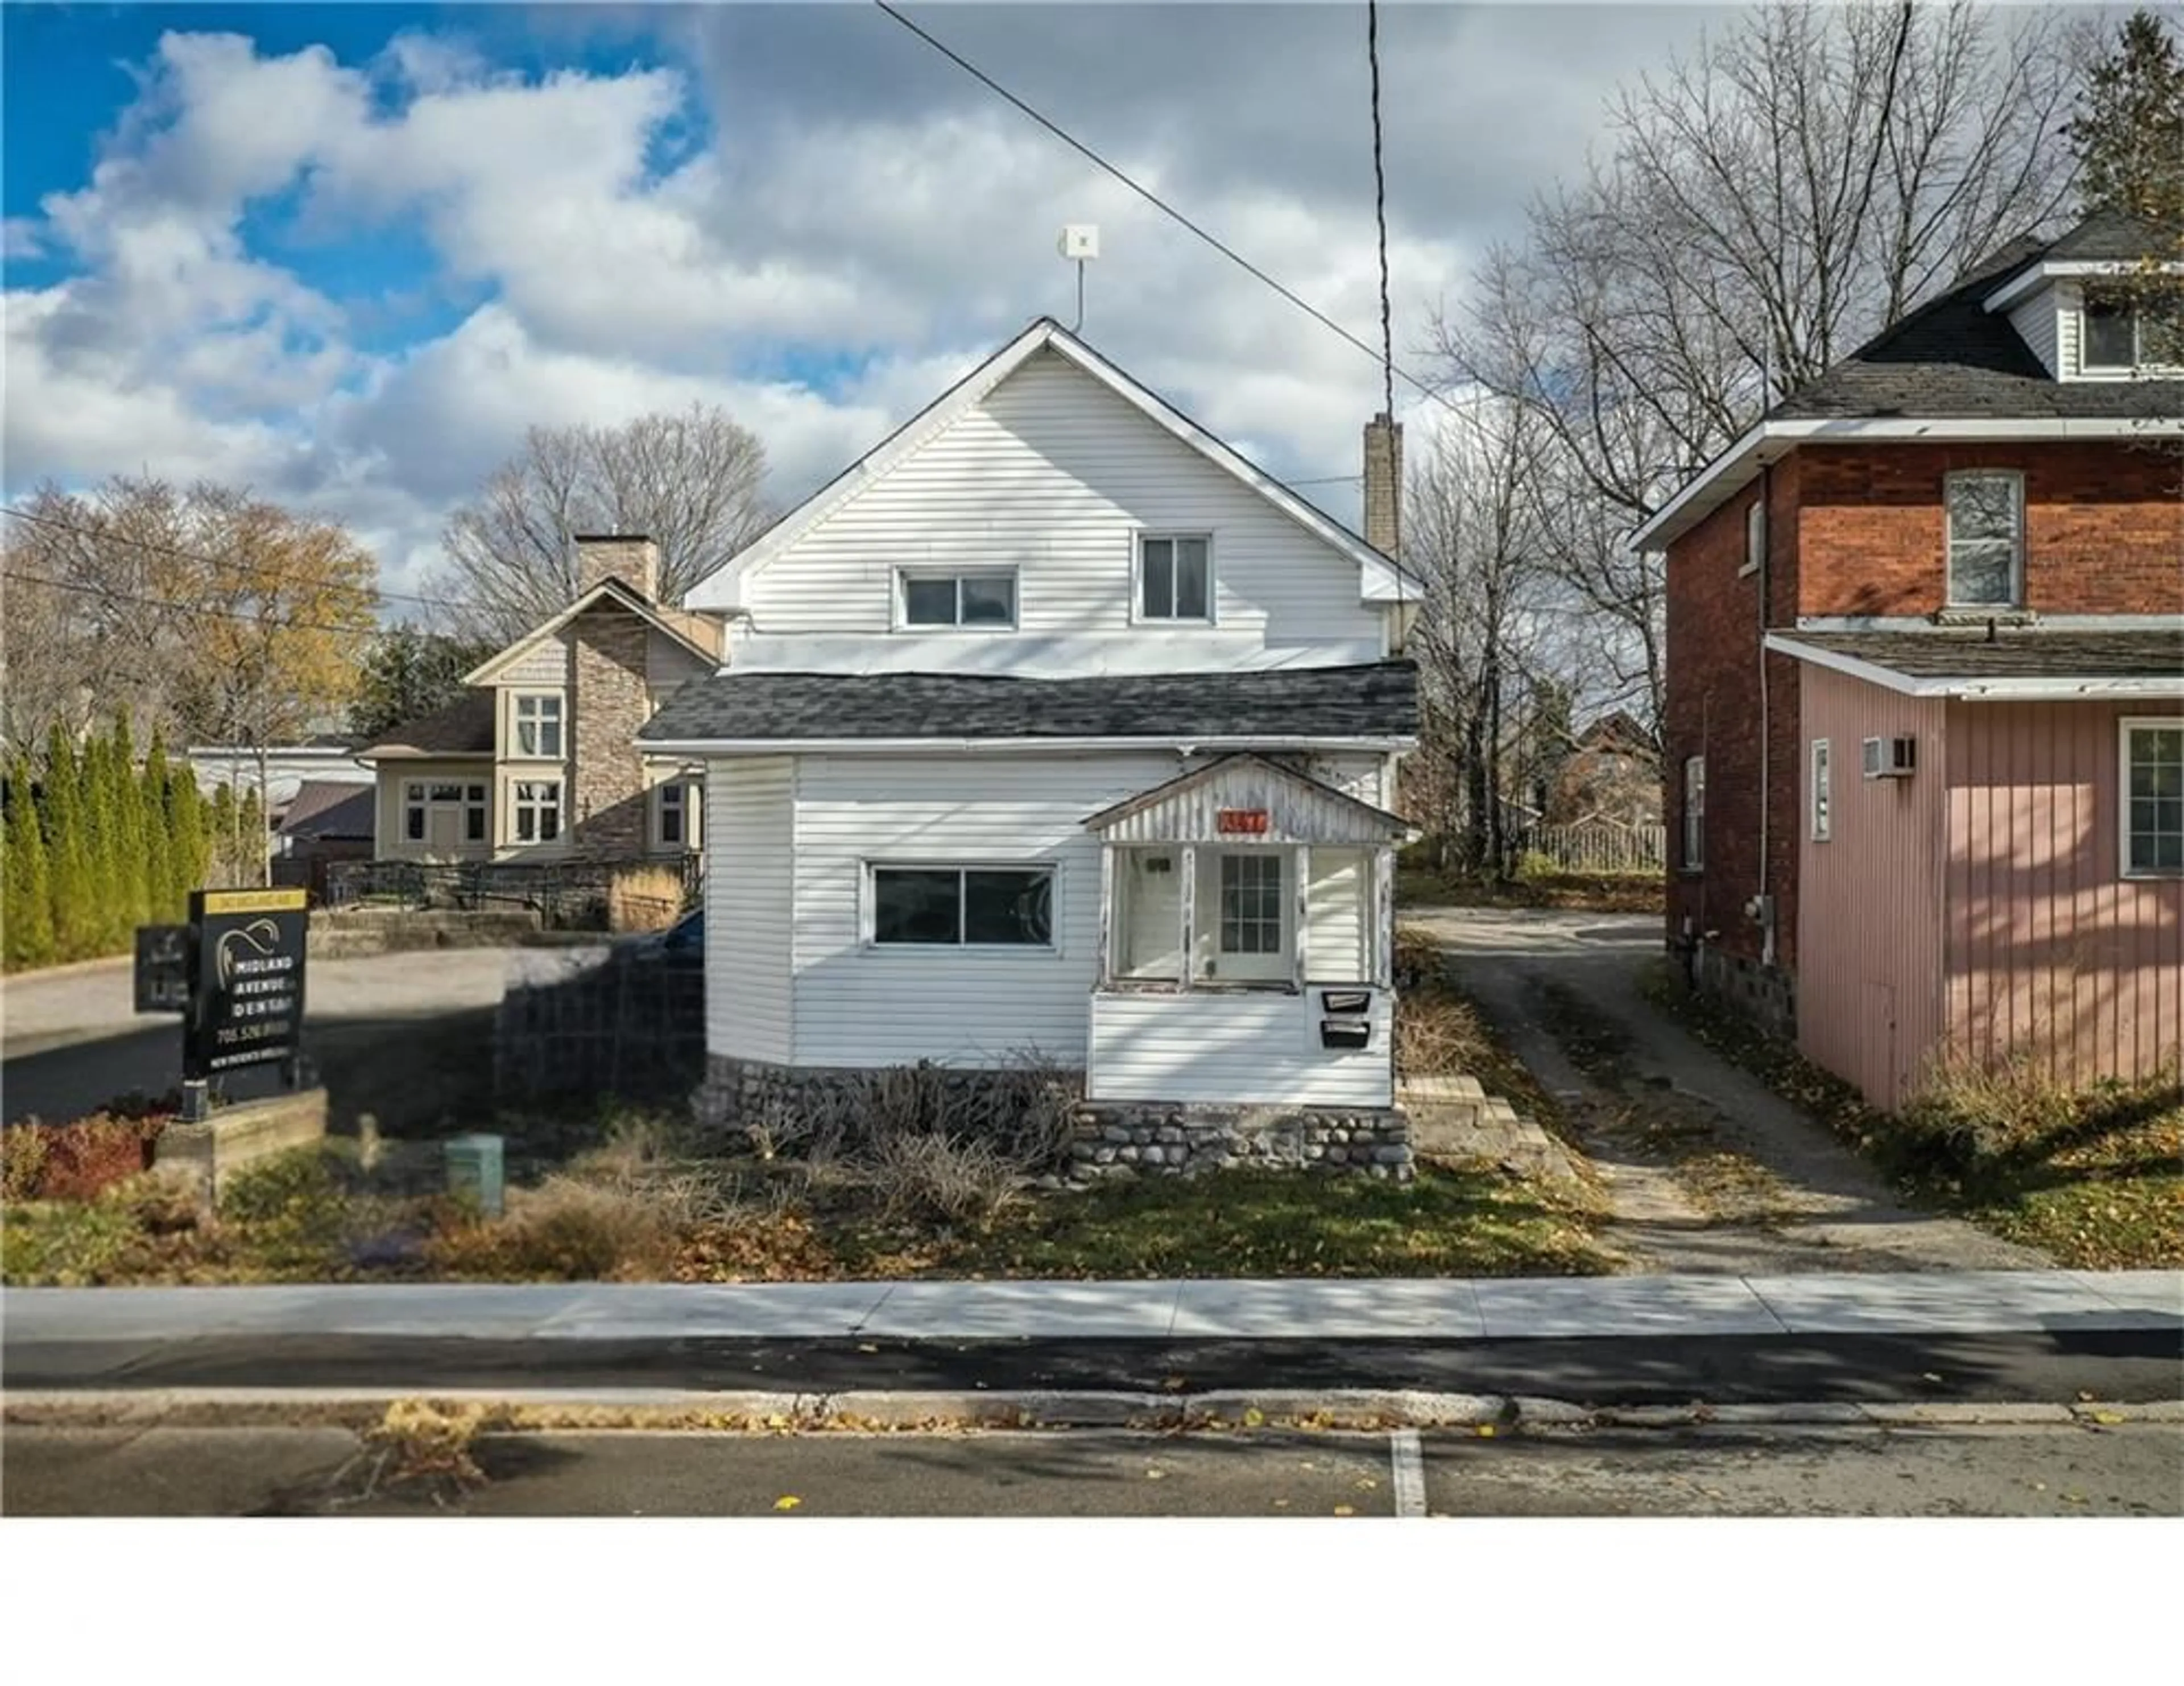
(1245, 822)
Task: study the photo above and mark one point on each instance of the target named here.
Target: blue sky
(346, 253)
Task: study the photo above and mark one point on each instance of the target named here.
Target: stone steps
(1452, 1117)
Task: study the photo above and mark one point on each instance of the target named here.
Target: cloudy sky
(346, 253)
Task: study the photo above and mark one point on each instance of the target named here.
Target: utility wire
(271, 622)
(1162, 205)
(103, 536)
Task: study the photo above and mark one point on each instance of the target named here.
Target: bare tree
(691, 481)
(1802, 182)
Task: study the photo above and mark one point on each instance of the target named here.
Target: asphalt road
(2134, 1469)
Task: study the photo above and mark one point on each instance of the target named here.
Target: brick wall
(1713, 708)
(608, 700)
(2104, 526)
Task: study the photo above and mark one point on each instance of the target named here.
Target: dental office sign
(245, 980)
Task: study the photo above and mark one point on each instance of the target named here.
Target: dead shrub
(1971, 1119)
(934, 1176)
(643, 898)
(74, 1161)
(1437, 1033)
(566, 1231)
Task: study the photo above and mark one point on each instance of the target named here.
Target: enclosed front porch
(1247, 935)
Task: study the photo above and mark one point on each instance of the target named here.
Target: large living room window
(2152, 826)
(538, 725)
(538, 810)
(442, 812)
(985, 597)
(1987, 538)
(963, 906)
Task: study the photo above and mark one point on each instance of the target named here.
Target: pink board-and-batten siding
(1869, 898)
(1978, 908)
(2052, 953)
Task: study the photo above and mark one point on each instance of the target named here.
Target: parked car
(683, 940)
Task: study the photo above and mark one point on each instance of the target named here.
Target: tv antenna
(1080, 243)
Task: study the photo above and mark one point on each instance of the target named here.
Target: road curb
(638, 1409)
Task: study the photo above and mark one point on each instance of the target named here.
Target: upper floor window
(1986, 539)
(672, 809)
(538, 725)
(2153, 796)
(984, 598)
(1175, 579)
(2122, 332)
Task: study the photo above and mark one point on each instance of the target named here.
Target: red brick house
(1924, 709)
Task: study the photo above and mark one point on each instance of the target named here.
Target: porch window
(2152, 797)
(1175, 579)
(539, 727)
(538, 810)
(1987, 538)
(980, 598)
(1695, 813)
(963, 906)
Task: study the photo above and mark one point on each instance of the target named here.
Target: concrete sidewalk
(1618, 1308)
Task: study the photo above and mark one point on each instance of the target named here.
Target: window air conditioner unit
(1891, 757)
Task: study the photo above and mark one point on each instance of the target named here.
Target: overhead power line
(1380, 356)
(275, 623)
(103, 537)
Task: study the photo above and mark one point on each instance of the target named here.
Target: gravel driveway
(1706, 1170)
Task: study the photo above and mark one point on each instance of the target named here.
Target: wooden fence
(1597, 848)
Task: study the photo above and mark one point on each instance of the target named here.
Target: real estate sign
(245, 980)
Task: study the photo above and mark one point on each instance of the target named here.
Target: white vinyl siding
(1230, 1047)
(750, 826)
(1054, 475)
(1337, 915)
(2036, 320)
(856, 1005)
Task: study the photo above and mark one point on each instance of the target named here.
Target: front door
(1250, 918)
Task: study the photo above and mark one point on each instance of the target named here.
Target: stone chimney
(1384, 484)
(629, 557)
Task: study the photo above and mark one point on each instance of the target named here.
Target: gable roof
(1376, 701)
(698, 633)
(1953, 369)
(1383, 577)
(463, 728)
(1299, 808)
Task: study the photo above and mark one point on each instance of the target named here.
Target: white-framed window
(419, 798)
(1987, 538)
(2152, 823)
(1251, 902)
(1824, 793)
(2119, 333)
(1694, 812)
(538, 810)
(1755, 537)
(538, 725)
(1175, 577)
(976, 597)
(961, 907)
(671, 813)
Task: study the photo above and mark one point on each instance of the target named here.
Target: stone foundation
(1767, 995)
(1111, 1137)
(1119, 1137)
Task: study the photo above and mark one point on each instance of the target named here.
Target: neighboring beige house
(539, 761)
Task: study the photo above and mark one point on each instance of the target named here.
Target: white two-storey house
(1054, 725)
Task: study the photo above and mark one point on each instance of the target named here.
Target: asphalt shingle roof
(2026, 653)
(324, 808)
(464, 727)
(1280, 705)
(1953, 358)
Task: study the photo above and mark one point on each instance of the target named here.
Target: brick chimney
(629, 557)
(1384, 484)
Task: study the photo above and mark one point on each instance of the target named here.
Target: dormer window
(1986, 539)
(2122, 333)
(984, 598)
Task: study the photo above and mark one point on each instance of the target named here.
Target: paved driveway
(1707, 1169)
(406, 1037)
